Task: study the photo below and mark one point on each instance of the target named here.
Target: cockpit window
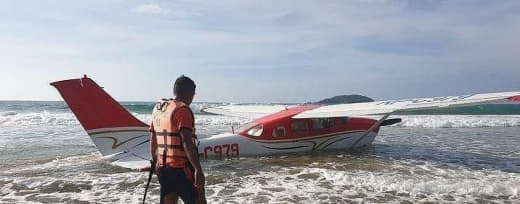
(299, 126)
(279, 131)
(322, 123)
(256, 131)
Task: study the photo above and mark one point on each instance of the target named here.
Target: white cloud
(149, 8)
(167, 9)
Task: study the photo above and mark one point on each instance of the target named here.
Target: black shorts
(174, 180)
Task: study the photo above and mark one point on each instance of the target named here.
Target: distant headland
(341, 99)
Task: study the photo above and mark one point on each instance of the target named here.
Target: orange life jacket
(170, 151)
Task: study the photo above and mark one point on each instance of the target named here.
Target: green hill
(345, 99)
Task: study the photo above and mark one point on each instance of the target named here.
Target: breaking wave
(459, 121)
(56, 114)
(12, 118)
(47, 118)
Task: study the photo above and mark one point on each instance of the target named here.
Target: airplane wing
(385, 107)
(246, 111)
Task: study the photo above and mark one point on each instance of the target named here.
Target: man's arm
(153, 146)
(191, 153)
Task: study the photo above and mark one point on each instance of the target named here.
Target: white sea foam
(296, 184)
(8, 113)
(47, 118)
(285, 179)
(442, 182)
(77, 187)
(37, 118)
(459, 121)
(58, 181)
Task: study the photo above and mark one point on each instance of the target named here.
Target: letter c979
(228, 150)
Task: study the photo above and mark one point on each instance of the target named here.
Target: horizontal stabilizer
(132, 162)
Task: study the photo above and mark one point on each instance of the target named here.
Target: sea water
(471, 157)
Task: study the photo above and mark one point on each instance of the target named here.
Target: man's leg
(171, 198)
(166, 179)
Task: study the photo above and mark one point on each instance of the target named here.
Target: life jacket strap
(172, 134)
(171, 146)
(176, 156)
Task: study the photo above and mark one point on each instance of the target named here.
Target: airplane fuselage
(279, 133)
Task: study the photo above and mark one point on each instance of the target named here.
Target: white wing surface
(246, 111)
(382, 107)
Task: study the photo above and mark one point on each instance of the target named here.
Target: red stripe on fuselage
(292, 140)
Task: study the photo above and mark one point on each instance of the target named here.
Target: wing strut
(374, 126)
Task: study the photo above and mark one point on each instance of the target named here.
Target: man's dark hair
(184, 86)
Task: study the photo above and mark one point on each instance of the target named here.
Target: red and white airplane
(124, 140)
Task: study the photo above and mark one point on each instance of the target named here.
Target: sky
(261, 51)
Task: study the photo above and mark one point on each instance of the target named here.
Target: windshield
(246, 126)
(256, 130)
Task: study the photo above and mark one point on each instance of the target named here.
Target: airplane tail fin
(112, 128)
(93, 107)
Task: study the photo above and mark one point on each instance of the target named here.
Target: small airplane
(123, 139)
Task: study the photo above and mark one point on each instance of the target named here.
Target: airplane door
(299, 128)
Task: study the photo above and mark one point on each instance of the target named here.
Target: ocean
(457, 155)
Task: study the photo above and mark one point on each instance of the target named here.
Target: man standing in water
(173, 147)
